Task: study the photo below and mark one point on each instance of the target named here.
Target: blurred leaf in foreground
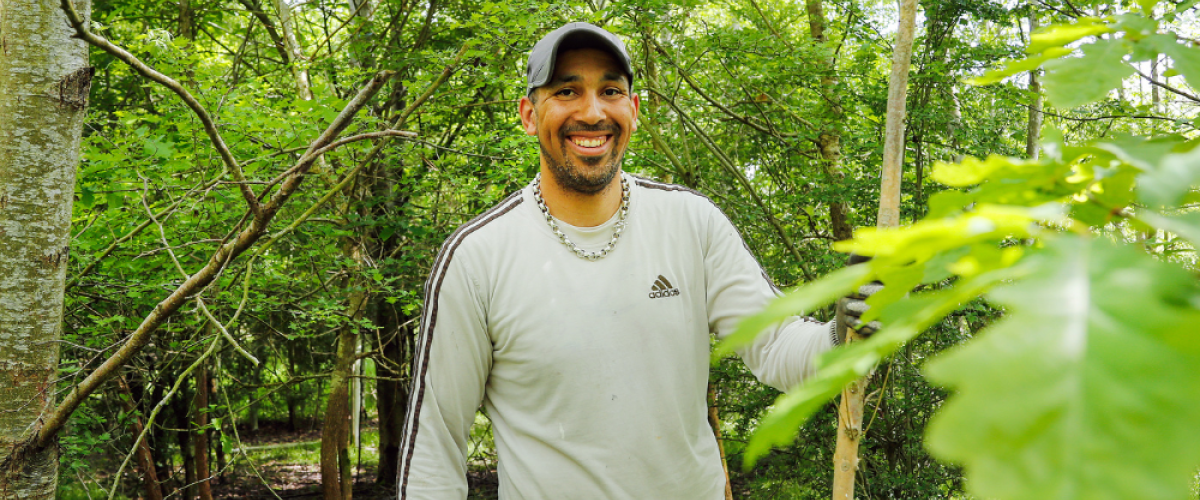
(1089, 388)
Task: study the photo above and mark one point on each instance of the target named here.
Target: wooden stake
(850, 412)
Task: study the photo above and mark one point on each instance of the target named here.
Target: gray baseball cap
(575, 35)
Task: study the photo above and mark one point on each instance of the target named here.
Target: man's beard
(571, 177)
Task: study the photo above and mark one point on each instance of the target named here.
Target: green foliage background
(742, 80)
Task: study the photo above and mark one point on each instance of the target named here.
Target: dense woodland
(265, 352)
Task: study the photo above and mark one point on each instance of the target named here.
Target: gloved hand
(851, 308)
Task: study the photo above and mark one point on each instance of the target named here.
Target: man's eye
(613, 92)
(565, 92)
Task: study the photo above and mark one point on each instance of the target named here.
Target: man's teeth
(588, 142)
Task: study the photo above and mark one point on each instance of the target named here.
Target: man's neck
(580, 209)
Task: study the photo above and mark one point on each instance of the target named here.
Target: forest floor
(277, 463)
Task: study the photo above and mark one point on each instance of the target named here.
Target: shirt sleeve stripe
(425, 337)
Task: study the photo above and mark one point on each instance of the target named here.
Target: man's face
(583, 119)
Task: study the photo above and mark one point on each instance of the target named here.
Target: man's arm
(450, 368)
(737, 287)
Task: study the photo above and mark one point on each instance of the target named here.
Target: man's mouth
(590, 142)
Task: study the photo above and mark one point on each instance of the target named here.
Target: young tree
(44, 84)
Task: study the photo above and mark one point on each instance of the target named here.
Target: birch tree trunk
(1034, 128)
(44, 84)
(850, 411)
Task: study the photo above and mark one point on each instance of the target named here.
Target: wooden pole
(850, 411)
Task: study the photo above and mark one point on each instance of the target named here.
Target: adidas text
(664, 293)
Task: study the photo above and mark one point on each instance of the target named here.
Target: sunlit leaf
(1057, 36)
(1075, 81)
(1089, 386)
(811, 296)
(902, 321)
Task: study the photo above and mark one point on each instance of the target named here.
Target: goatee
(573, 177)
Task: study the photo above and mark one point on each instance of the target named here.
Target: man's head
(580, 105)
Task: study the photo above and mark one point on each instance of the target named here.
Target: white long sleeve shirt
(594, 374)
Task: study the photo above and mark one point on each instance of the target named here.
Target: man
(578, 311)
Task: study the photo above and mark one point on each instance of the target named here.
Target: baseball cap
(541, 58)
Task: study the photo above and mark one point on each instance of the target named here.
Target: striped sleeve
(780, 357)
(450, 369)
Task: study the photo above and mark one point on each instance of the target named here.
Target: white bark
(893, 142)
(44, 84)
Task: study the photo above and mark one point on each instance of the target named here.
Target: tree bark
(145, 460)
(337, 479)
(829, 140)
(200, 446)
(44, 84)
(180, 406)
(390, 393)
(1034, 128)
(850, 411)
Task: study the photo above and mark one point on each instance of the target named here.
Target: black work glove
(851, 308)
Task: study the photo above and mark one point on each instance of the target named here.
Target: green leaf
(902, 322)
(1087, 389)
(1186, 59)
(1076, 81)
(1020, 66)
(1187, 226)
(1059, 35)
(948, 202)
(1145, 154)
(1168, 182)
(807, 298)
(87, 197)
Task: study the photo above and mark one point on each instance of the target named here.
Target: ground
(276, 463)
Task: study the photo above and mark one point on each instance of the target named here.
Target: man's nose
(592, 110)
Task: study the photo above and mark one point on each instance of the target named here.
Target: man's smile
(590, 145)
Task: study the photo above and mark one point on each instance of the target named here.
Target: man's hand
(851, 308)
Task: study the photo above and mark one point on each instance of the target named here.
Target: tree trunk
(1034, 128)
(829, 140)
(180, 405)
(850, 411)
(44, 85)
(335, 433)
(391, 396)
(145, 460)
(200, 446)
(714, 421)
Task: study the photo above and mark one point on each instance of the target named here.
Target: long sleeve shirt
(594, 373)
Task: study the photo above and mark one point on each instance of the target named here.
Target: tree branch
(210, 128)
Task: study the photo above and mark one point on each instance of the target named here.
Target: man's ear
(637, 103)
(528, 120)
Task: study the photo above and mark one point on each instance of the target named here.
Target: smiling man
(578, 312)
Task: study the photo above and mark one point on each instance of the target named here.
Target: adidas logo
(662, 288)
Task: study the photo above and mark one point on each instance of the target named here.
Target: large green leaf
(1187, 59)
(1059, 35)
(1075, 81)
(1171, 179)
(902, 322)
(1088, 389)
(1187, 226)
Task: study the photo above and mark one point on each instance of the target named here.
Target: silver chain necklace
(583, 254)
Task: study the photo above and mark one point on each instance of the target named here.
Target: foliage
(146, 154)
(1087, 386)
